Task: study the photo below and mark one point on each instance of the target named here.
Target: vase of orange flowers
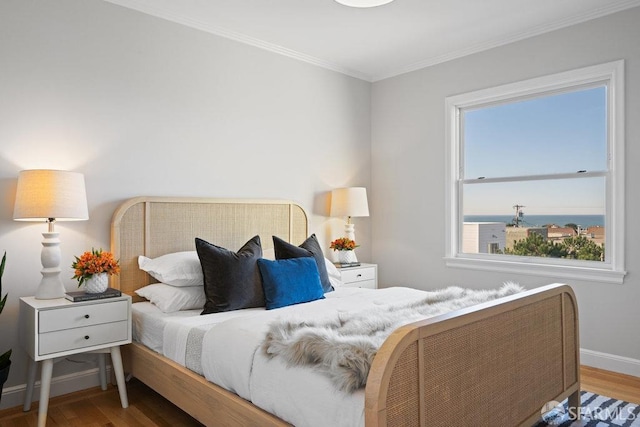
(93, 270)
(345, 247)
(97, 283)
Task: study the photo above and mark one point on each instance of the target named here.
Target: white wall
(408, 161)
(143, 106)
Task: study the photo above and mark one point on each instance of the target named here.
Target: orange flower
(343, 244)
(94, 262)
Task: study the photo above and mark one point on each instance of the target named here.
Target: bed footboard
(493, 364)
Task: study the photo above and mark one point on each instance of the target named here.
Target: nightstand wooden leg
(45, 385)
(31, 380)
(116, 361)
(102, 366)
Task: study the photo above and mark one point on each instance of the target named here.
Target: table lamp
(349, 202)
(50, 196)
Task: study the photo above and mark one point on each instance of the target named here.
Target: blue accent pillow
(290, 281)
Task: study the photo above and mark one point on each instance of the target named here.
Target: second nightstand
(362, 276)
(57, 327)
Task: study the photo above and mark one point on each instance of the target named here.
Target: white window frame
(612, 269)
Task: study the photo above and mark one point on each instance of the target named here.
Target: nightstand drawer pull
(359, 275)
(68, 317)
(86, 337)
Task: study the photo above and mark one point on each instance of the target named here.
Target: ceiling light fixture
(363, 3)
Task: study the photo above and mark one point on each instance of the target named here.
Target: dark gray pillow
(231, 279)
(308, 248)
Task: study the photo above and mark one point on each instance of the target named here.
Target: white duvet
(233, 359)
(230, 354)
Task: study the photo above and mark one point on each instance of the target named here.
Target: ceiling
(380, 42)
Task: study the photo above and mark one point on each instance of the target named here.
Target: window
(536, 176)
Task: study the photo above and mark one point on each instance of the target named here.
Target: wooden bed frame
(493, 364)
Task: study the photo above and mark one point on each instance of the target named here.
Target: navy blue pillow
(290, 281)
(231, 279)
(308, 248)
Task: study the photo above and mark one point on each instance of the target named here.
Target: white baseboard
(610, 362)
(14, 396)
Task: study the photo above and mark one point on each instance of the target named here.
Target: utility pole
(519, 214)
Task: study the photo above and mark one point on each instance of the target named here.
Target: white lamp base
(51, 284)
(350, 231)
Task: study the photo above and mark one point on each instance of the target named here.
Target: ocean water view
(583, 221)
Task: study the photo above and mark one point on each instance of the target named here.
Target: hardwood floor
(94, 407)
(612, 384)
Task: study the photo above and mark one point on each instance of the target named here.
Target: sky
(562, 133)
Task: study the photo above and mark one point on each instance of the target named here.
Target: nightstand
(362, 276)
(57, 327)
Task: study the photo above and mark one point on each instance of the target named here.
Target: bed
(450, 369)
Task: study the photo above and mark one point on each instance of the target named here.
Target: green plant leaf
(4, 359)
(4, 259)
(4, 299)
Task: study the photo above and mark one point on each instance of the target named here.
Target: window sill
(591, 274)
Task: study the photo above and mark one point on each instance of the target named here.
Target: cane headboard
(154, 226)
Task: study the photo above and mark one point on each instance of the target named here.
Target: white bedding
(232, 358)
(177, 335)
(149, 323)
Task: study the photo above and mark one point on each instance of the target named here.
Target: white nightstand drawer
(71, 339)
(83, 315)
(358, 274)
(370, 284)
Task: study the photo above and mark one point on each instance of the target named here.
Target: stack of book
(86, 296)
(347, 264)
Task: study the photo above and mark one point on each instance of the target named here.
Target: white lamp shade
(363, 3)
(349, 202)
(43, 194)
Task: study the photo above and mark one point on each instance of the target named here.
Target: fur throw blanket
(343, 347)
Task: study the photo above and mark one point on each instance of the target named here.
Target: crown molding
(514, 37)
(233, 35)
(438, 59)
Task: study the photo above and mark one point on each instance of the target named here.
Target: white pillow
(175, 269)
(334, 275)
(171, 298)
